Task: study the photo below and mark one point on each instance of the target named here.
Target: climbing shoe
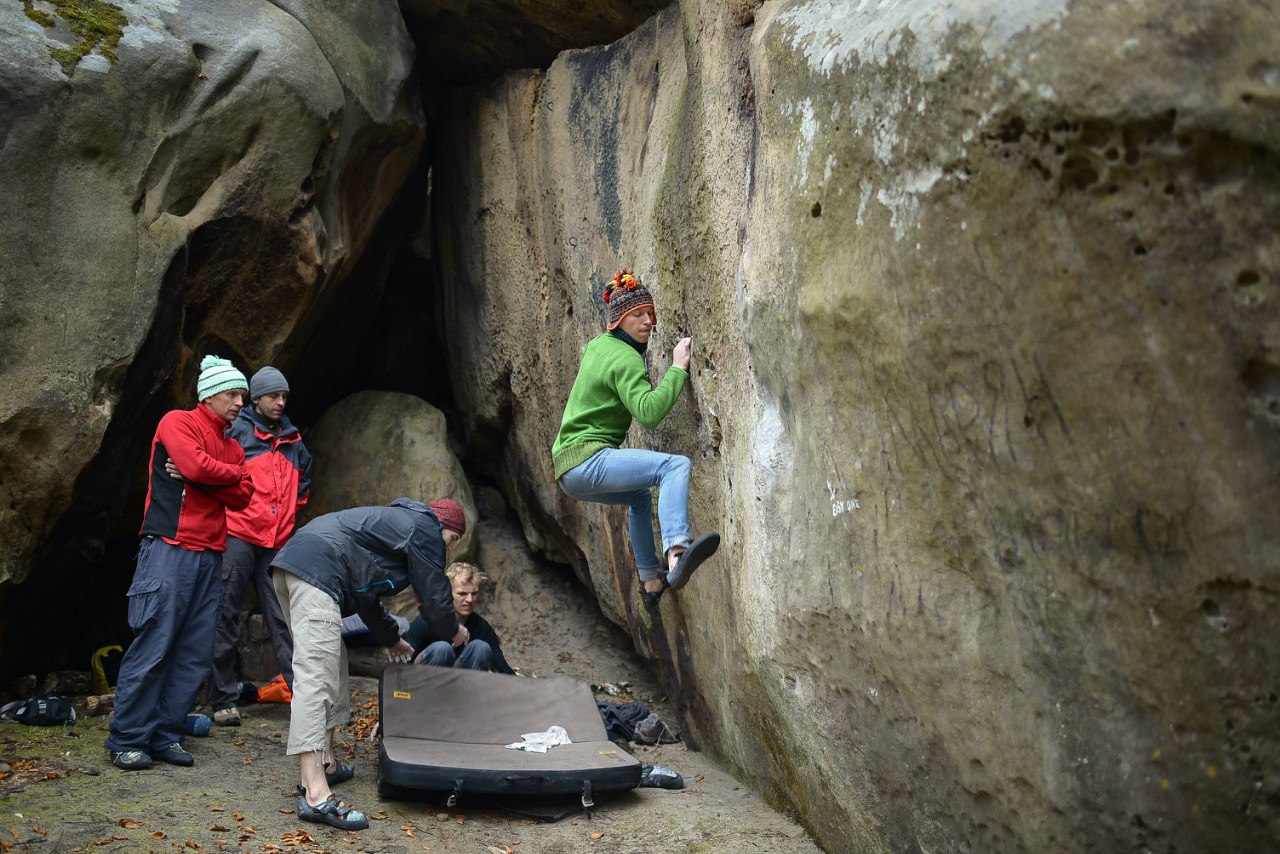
(691, 558)
(332, 812)
(657, 777)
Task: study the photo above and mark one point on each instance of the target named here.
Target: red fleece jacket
(192, 512)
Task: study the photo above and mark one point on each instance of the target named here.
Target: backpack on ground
(49, 710)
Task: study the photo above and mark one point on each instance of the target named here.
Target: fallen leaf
(597, 834)
(285, 810)
(217, 828)
(248, 760)
(218, 809)
(159, 834)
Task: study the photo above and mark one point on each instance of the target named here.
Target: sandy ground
(59, 793)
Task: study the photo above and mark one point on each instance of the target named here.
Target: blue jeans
(173, 610)
(627, 476)
(476, 655)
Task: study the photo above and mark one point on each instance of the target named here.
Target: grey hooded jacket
(361, 554)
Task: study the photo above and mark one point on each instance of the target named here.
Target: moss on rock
(95, 23)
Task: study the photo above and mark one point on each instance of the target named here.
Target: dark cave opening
(381, 333)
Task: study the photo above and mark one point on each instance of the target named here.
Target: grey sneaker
(653, 730)
(649, 729)
(130, 760)
(227, 717)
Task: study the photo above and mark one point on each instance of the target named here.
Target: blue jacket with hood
(363, 553)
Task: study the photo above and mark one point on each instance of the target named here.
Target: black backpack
(49, 710)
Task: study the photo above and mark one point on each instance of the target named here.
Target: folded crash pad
(446, 730)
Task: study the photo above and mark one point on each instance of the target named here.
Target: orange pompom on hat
(625, 294)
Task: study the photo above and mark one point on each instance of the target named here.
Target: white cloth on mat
(539, 742)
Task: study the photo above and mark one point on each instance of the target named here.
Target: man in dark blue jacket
(341, 564)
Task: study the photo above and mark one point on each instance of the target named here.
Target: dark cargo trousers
(173, 607)
(242, 562)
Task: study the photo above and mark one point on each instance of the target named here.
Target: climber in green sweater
(611, 388)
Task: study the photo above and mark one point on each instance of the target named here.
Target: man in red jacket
(177, 584)
(280, 467)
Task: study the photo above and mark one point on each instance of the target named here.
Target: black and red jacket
(280, 467)
(192, 512)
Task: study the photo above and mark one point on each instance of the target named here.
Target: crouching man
(483, 651)
(340, 564)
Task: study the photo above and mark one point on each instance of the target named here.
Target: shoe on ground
(332, 812)
(648, 730)
(227, 717)
(657, 777)
(651, 600)
(174, 755)
(691, 558)
(653, 730)
(130, 760)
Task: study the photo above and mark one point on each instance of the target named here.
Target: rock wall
(180, 178)
(984, 395)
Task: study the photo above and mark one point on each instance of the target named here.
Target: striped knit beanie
(218, 375)
(623, 295)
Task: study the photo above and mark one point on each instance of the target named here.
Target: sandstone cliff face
(198, 182)
(984, 395)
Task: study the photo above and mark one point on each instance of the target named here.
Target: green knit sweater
(611, 388)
